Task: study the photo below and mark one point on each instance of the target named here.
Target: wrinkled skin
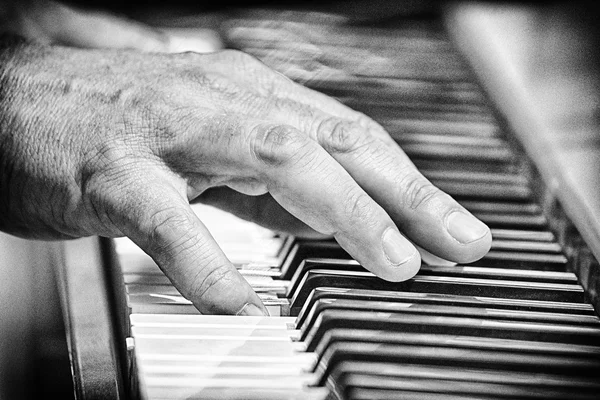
(117, 142)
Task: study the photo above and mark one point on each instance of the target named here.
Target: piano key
(484, 179)
(506, 208)
(363, 87)
(539, 247)
(382, 106)
(529, 379)
(446, 152)
(408, 138)
(485, 128)
(523, 260)
(504, 221)
(435, 284)
(435, 298)
(460, 190)
(232, 389)
(519, 234)
(435, 386)
(516, 241)
(478, 331)
(378, 394)
(456, 164)
(443, 310)
(464, 358)
(439, 270)
(304, 249)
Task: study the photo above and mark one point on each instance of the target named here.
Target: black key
(433, 387)
(476, 190)
(303, 249)
(485, 179)
(367, 88)
(466, 165)
(444, 310)
(480, 329)
(441, 340)
(483, 335)
(455, 357)
(437, 270)
(379, 394)
(330, 249)
(523, 260)
(533, 382)
(323, 293)
(435, 284)
(523, 245)
(520, 234)
(382, 107)
(513, 221)
(497, 207)
(435, 125)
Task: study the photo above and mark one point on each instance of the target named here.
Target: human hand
(116, 143)
(52, 22)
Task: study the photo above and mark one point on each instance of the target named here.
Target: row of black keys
(453, 332)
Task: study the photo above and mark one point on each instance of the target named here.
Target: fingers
(154, 213)
(429, 217)
(316, 189)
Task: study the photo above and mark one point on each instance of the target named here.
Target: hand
(117, 143)
(51, 22)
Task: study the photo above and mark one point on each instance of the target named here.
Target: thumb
(157, 217)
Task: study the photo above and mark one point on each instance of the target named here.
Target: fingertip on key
(252, 310)
(470, 232)
(465, 228)
(402, 256)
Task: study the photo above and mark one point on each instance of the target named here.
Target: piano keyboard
(515, 324)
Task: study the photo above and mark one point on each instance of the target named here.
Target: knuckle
(276, 145)
(417, 192)
(337, 136)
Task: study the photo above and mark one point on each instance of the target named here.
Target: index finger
(154, 213)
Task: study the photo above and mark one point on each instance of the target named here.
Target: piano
(494, 111)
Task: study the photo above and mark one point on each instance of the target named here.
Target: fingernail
(397, 249)
(465, 228)
(251, 310)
